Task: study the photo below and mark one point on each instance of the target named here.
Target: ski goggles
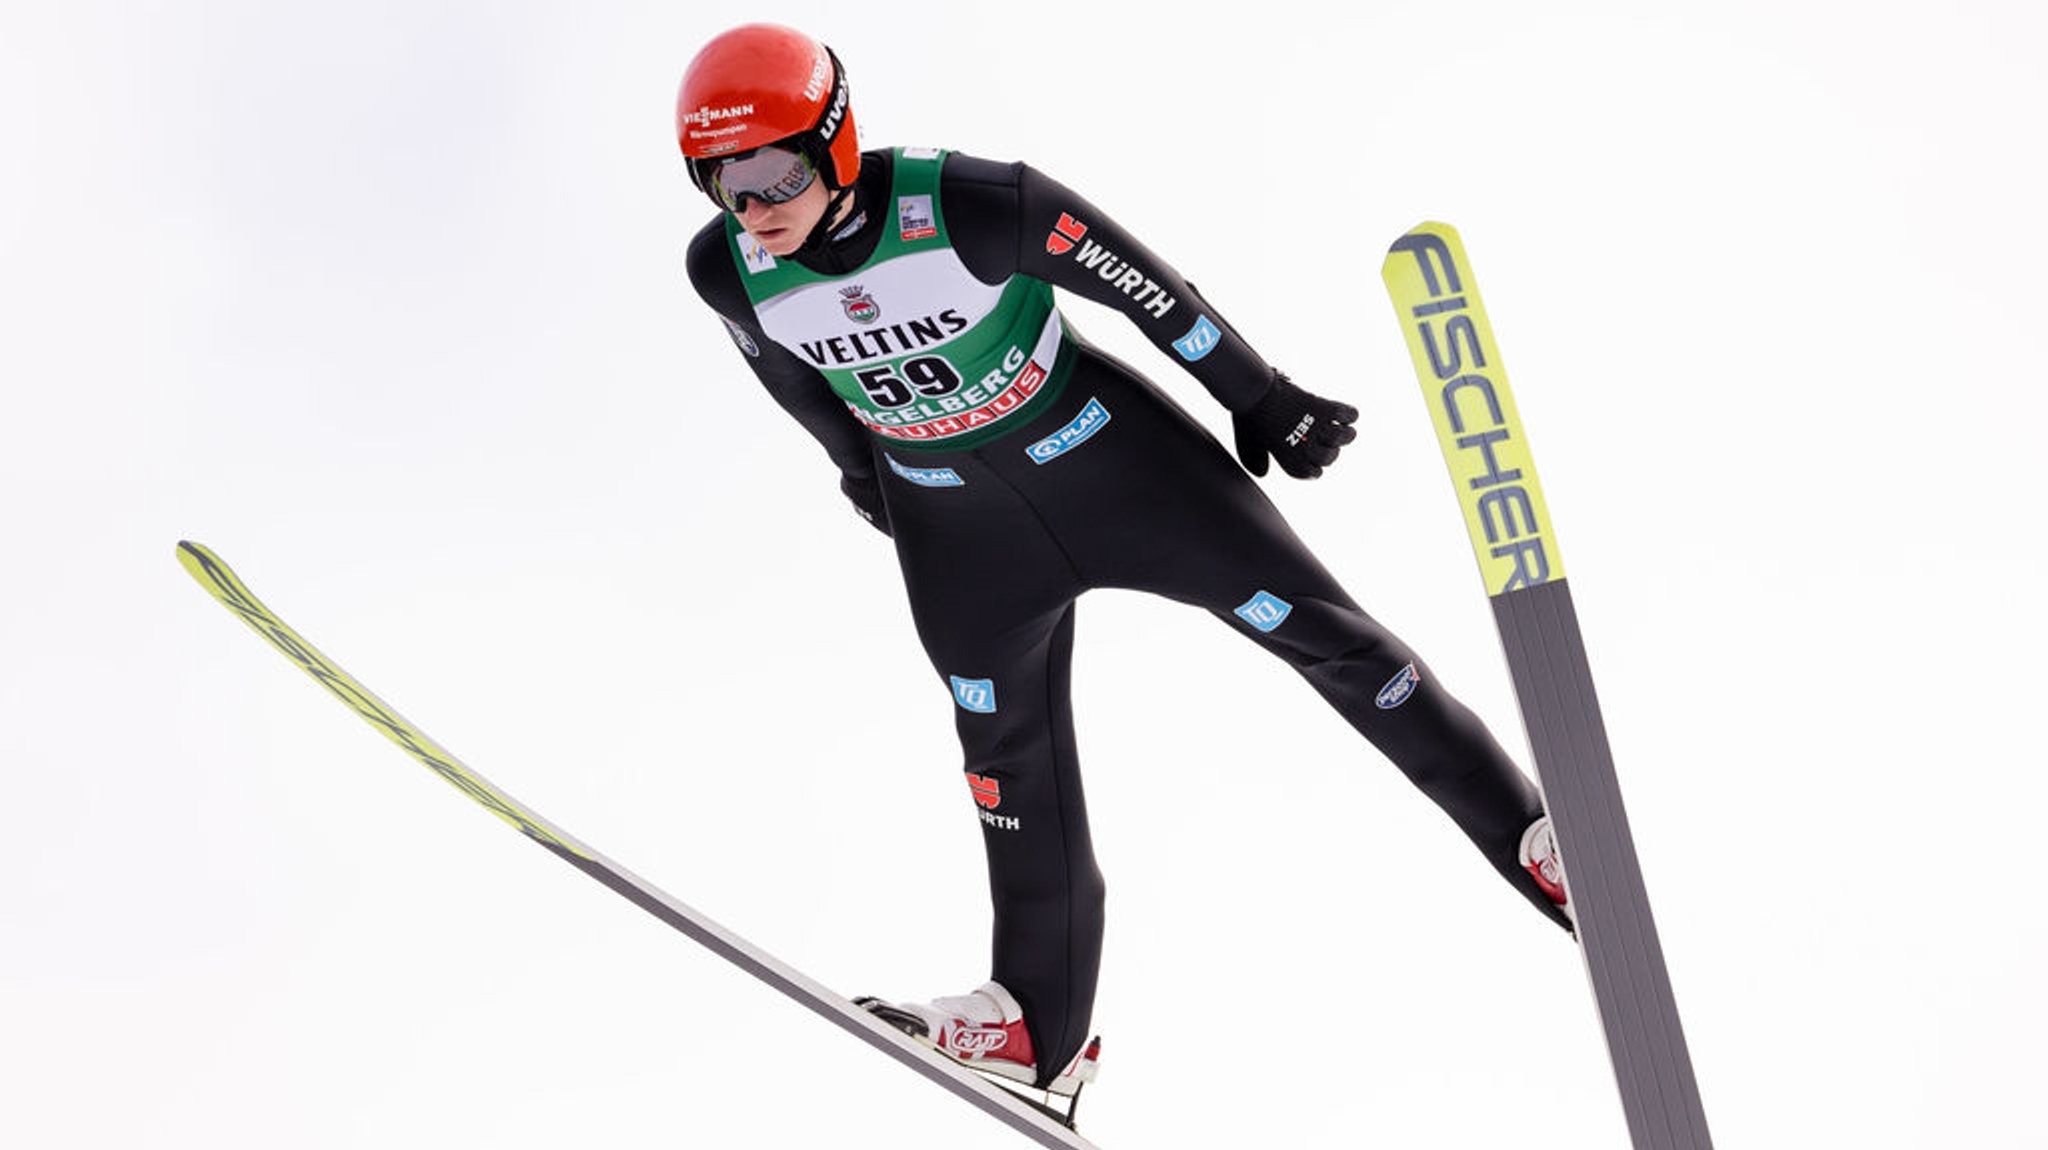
(771, 175)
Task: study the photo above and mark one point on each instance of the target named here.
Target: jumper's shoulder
(964, 171)
(709, 264)
(707, 254)
(984, 213)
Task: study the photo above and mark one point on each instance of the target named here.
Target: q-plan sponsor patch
(1093, 418)
(926, 476)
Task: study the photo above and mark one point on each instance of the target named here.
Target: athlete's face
(781, 228)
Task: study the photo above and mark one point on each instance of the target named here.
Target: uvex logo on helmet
(821, 71)
(829, 124)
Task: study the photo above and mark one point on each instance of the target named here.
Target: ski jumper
(1021, 467)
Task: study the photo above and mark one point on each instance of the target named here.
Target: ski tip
(1430, 229)
(202, 564)
(1414, 261)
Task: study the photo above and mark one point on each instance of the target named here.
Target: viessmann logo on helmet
(705, 116)
(700, 128)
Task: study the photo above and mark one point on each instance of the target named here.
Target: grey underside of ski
(1539, 631)
(1020, 1114)
(1451, 343)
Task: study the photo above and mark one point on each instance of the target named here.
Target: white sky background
(385, 302)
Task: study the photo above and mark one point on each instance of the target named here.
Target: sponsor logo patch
(892, 339)
(926, 476)
(1200, 340)
(821, 70)
(988, 793)
(1064, 235)
(754, 256)
(1264, 611)
(1093, 418)
(1455, 358)
(1398, 689)
(705, 115)
(1113, 269)
(739, 336)
(978, 1041)
(914, 217)
(698, 125)
(976, 695)
(835, 113)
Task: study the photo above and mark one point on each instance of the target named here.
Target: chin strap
(820, 234)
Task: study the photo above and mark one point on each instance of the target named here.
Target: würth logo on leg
(988, 792)
(1065, 235)
(988, 795)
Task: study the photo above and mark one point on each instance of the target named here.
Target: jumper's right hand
(1302, 431)
(865, 491)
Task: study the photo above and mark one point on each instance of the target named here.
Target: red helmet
(760, 83)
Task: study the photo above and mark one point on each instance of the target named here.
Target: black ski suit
(1107, 483)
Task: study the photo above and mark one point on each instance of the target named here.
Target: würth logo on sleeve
(1070, 235)
(1064, 235)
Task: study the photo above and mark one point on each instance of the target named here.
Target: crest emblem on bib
(860, 306)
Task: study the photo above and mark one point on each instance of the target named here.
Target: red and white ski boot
(984, 1031)
(1540, 858)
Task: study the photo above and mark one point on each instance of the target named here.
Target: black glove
(866, 493)
(1302, 431)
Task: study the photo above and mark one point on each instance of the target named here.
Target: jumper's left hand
(1302, 431)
